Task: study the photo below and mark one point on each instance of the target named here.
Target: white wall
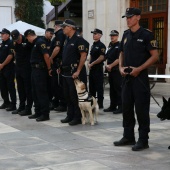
(107, 16)
(6, 12)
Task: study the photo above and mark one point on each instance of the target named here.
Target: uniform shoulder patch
(43, 46)
(81, 47)
(103, 50)
(154, 43)
(57, 42)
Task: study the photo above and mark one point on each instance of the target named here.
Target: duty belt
(69, 68)
(40, 66)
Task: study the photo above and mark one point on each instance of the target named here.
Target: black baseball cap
(5, 31)
(69, 22)
(50, 30)
(15, 35)
(114, 33)
(97, 31)
(130, 12)
(29, 31)
(58, 22)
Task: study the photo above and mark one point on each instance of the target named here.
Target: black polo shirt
(97, 49)
(48, 44)
(112, 52)
(72, 49)
(38, 51)
(23, 51)
(6, 48)
(58, 40)
(136, 46)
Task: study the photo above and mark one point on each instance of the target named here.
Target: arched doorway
(154, 17)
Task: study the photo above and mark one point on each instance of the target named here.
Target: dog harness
(88, 99)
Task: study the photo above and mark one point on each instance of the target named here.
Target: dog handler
(138, 52)
(73, 60)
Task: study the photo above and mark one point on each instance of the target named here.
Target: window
(153, 5)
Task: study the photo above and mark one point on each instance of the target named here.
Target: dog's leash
(148, 91)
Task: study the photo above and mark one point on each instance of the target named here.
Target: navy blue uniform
(96, 72)
(58, 41)
(39, 78)
(50, 92)
(135, 90)
(7, 74)
(23, 73)
(70, 60)
(115, 79)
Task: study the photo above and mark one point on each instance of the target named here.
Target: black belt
(40, 66)
(69, 68)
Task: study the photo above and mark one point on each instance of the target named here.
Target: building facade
(106, 15)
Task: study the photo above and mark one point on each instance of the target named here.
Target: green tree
(56, 1)
(30, 11)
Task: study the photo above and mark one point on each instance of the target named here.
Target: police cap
(130, 12)
(5, 31)
(50, 30)
(114, 33)
(15, 35)
(69, 22)
(58, 22)
(29, 31)
(97, 31)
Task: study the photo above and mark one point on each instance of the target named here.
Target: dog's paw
(92, 123)
(83, 122)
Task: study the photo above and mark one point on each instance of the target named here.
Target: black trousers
(23, 77)
(96, 83)
(57, 89)
(115, 82)
(39, 78)
(7, 85)
(135, 93)
(70, 93)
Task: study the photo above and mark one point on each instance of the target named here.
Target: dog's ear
(164, 100)
(83, 86)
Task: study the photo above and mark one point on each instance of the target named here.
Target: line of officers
(45, 70)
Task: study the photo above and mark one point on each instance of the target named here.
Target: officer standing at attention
(115, 79)
(56, 50)
(7, 71)
(138, 52)
(23, 72)
(73, 59)
(41, 69)
(49, 32)
(96, 75)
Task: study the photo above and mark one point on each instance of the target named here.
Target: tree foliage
(56, 1)
(30, 11)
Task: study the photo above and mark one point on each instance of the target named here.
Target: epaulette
(148, 30)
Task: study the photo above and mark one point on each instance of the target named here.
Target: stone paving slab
(28, 145)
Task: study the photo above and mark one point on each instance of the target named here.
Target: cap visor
(128, 16)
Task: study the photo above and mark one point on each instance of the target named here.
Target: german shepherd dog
(87, 103)
(165, 111)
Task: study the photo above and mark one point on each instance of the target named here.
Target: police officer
(138, 52)
(97, 54)
(73, 59)
(23, 72)
(115, 79)
(7, 71)
(56, 50)
(47, 38)
(41, 69)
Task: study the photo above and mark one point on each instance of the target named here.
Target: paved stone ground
(28, 145)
